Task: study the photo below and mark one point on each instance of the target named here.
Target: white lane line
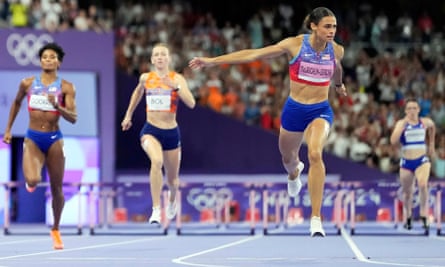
(359, 255)
(85, 248)
(181, 260)
(21, 241)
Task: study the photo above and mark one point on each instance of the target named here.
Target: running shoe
(155, 216)
(57, 240)
(171, 207)
(425, 224)
(408, 225)
(171, 210)
(294, 186)
(29, 188)
(316, 227)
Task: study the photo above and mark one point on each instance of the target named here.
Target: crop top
(158, 96)
(311, 67)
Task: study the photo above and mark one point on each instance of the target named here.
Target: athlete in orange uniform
(49, 97)
(160, 135)
(314, 64)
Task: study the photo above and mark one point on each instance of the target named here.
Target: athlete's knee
(156, 163)
(315, 155)
(173, 183)
(423, 186)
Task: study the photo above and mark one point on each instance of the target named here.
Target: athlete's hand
(199, 62)
(52, 99)
(341, 90)
(7, 137)
(126, 124)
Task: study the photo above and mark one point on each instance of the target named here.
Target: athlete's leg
(422, 174)
(55, 163)
(316, 135)
(33, 160)
(289, 144)
(153, 149)
(172, 160)
(407, 183)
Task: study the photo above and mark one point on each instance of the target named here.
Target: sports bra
(37, 95)
(311, 67)
(158, 96)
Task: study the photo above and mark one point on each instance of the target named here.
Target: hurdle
(219, 226)
(281, 226)
(377, 228)
(105, 195)
(25, 229)
(438, 210)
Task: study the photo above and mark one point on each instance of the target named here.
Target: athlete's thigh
(423, 172)
(55, 162)
(406, 177)
(289, 141)
(316, 133)
(152, 148)
(172, 160)
(33, 159)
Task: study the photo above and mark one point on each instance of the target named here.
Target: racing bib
(41, 102)
(158, 102)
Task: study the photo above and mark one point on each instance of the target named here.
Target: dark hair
(411, 99)
(55, 47)
(316, 15)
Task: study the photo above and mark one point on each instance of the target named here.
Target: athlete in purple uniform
(314, 67)
(411, 133)
(49, 97)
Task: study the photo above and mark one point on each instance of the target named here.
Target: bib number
(158, 102)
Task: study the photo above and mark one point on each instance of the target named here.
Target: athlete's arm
(243, 56)
(337, 77)
(136, 97)
(184, 92)
(397, 132)
(69, 112)
(15, 107)
(431, 130)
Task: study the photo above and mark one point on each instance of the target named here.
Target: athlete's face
(49, 60)
(412, 110)
(160, 56)
(326, 28)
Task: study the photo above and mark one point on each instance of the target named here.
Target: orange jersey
(158, 96)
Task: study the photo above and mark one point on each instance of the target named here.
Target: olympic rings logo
(205, 198)
(25, 48)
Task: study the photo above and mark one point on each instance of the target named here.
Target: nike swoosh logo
(53, 136)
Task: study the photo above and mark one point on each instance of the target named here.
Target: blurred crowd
(387, 59)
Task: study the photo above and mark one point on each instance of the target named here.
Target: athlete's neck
(48, 77)
(317, 44)
(162, 72)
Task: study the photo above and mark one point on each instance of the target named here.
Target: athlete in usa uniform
(49, 97)
(412, 133)
(314, 67)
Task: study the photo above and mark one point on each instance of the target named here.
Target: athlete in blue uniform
(49, 97)
(314, 67)
(412, 133)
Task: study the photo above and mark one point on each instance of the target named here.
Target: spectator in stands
(49, 97)
(160, 135)
(314, 62)
(416, 136)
